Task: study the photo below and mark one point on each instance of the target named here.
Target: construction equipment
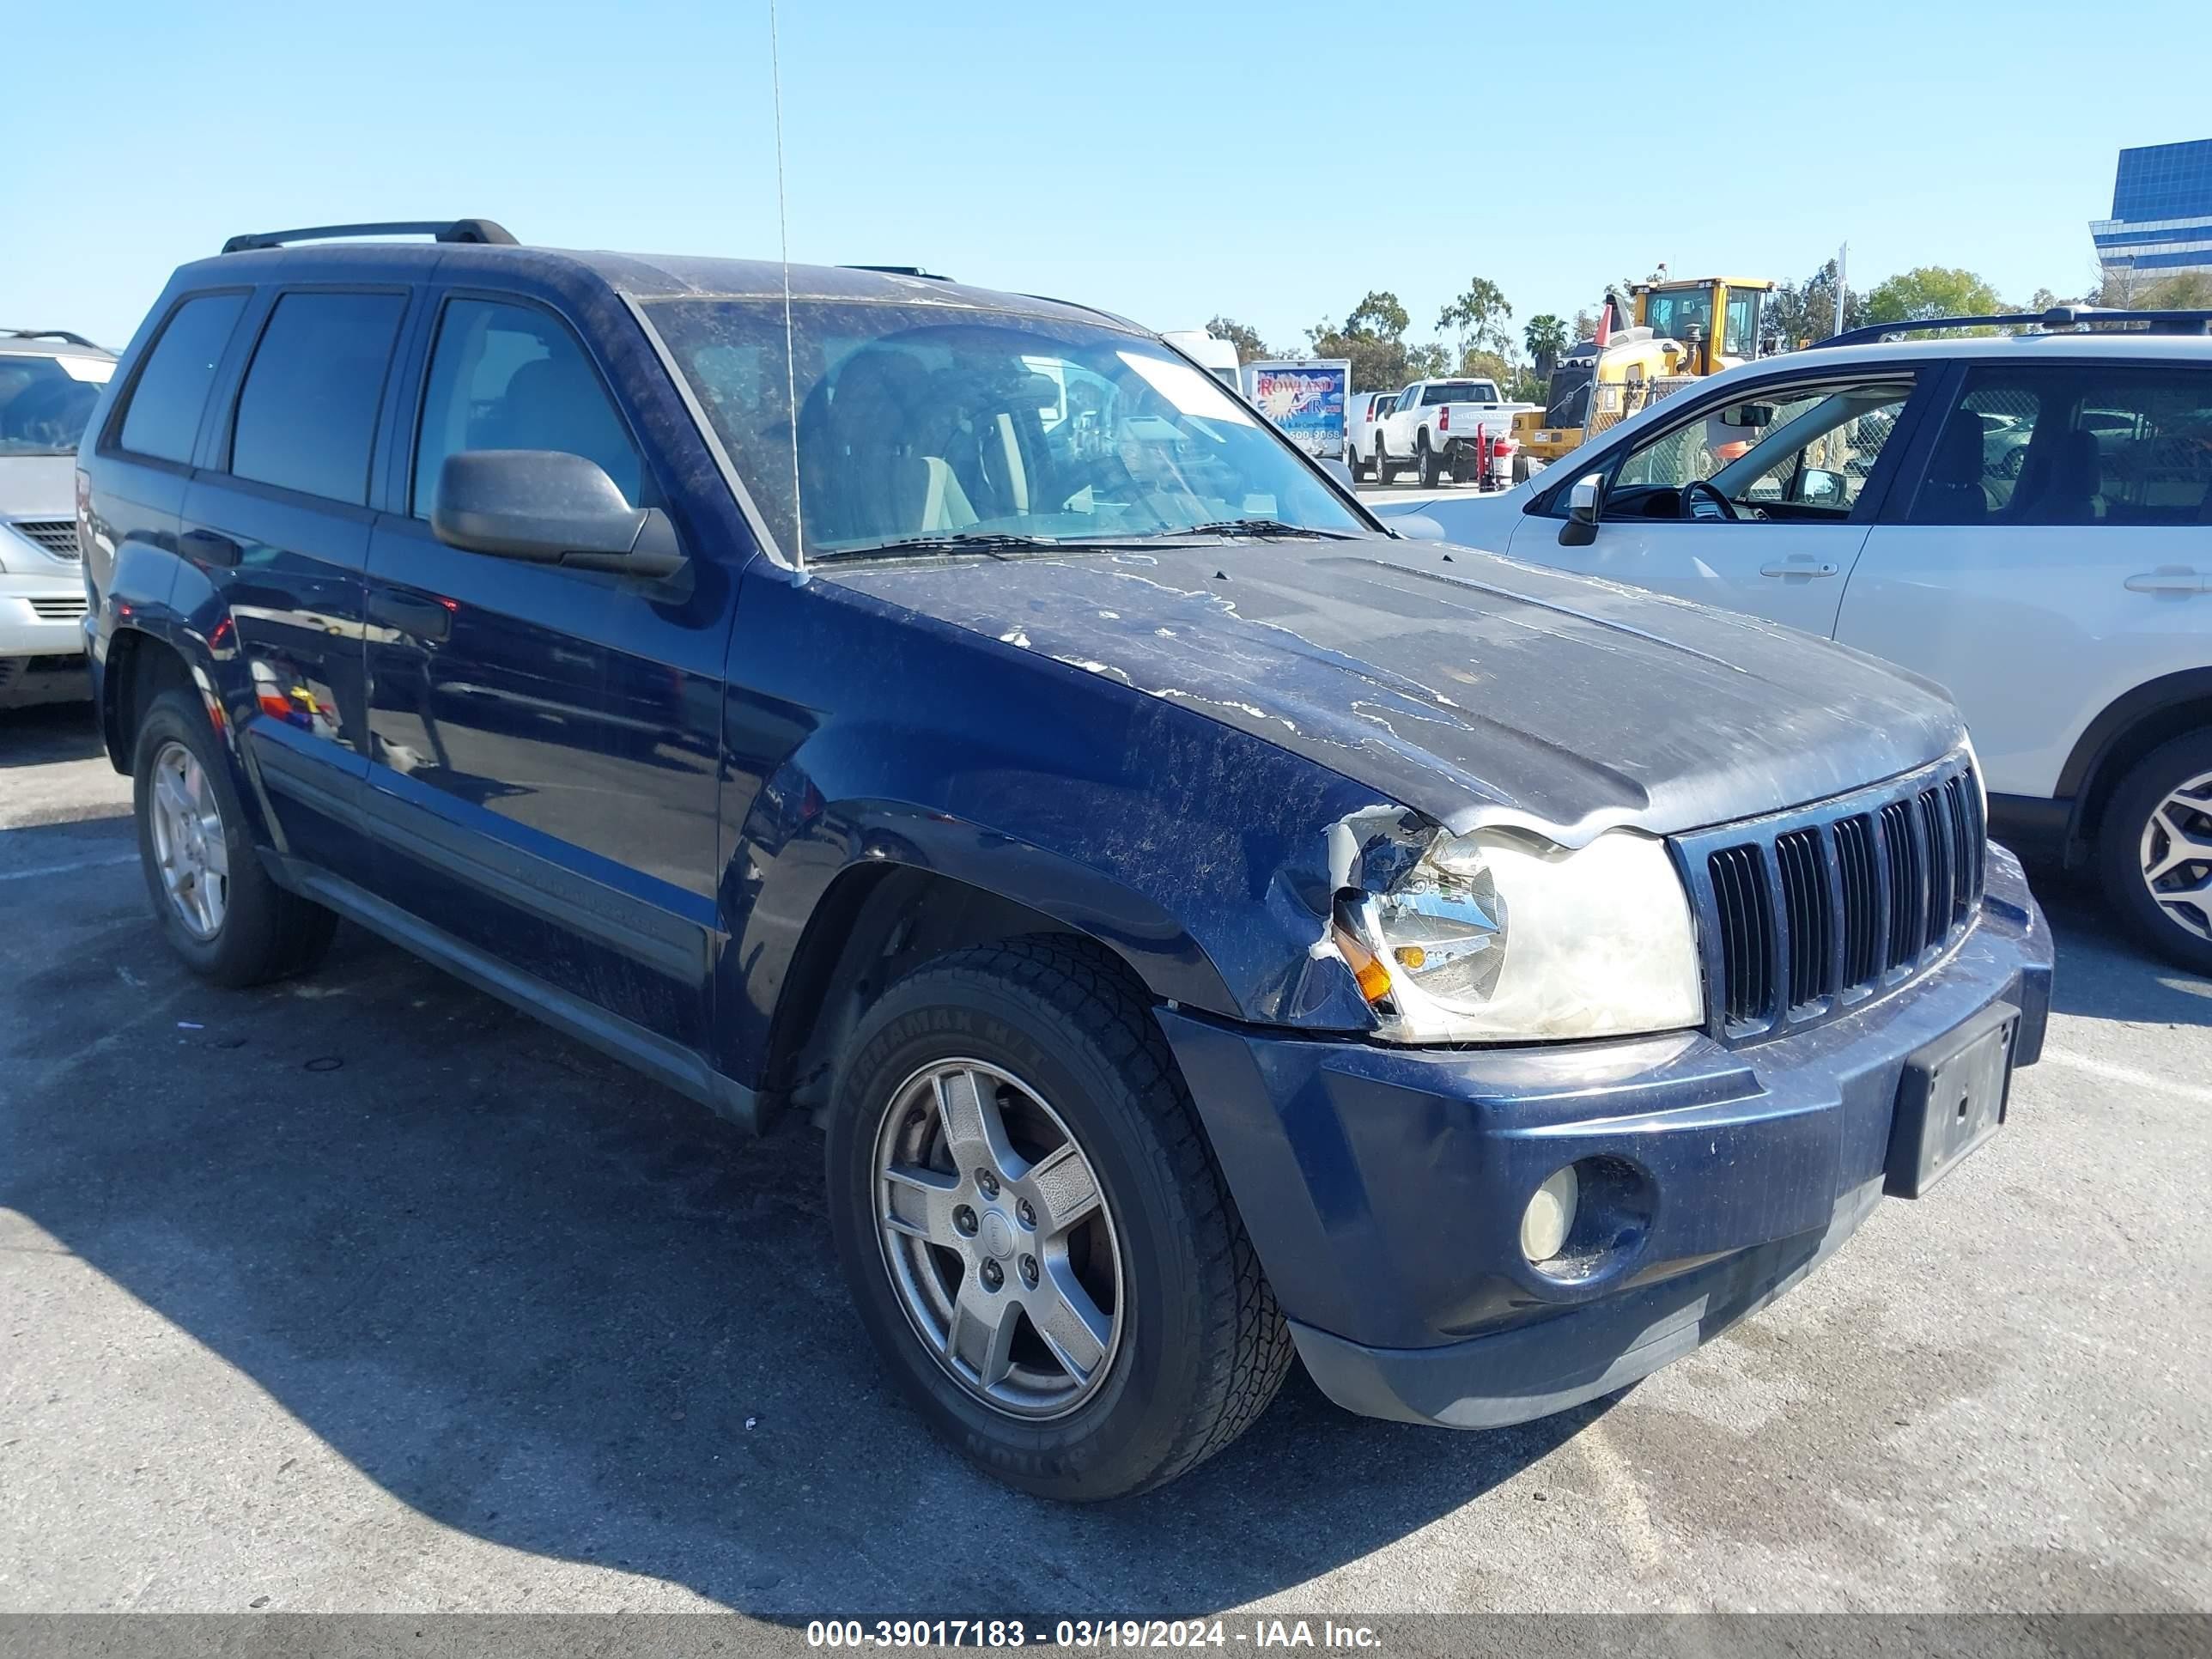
(1684, 329)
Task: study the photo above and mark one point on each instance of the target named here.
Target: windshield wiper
(994, 542)
(1258, 529)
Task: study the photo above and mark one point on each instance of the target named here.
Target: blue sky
(1270, 160)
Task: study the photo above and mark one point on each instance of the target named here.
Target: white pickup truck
(1434, 426)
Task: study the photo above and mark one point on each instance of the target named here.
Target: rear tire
(1051, 1044)
(2160, 813)
(217, 907)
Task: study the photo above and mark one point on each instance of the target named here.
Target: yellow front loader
(1673, 341)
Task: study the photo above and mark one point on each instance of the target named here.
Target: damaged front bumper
(1383, 1188)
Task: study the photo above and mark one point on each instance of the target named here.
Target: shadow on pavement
(549, 1305)
(2102, 972)
(55, 731)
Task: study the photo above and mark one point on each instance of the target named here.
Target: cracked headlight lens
(1499, 937)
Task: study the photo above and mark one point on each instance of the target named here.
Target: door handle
(2170, 578)
(420, 619)
(1799, 568)
(209, 547)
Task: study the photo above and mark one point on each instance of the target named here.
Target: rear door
(276, 519)
(544, 741)
(1802, 463)
(2054, 552)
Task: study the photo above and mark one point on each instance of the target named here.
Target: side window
(164, 414)
(513, 377)
(306, 413)
(1789, 453)
(2073, 444)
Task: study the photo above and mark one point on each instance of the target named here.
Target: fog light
(1550, 1216)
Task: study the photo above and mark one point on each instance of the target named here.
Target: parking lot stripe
(65, 869)
(2126, 1074)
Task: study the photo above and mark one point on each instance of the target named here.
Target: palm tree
(1545, 338)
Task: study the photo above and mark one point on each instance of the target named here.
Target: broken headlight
(1499, 936)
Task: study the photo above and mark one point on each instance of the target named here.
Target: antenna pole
(783, 240)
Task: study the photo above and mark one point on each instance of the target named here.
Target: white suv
(2026, 518)
(49, 382)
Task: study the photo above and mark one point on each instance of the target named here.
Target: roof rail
(61, 334)
(2057, 319)
(444, 230)
(902, 270)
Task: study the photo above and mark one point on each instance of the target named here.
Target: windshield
(927, 421)
(45, 401)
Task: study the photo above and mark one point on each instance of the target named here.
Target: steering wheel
(1703, 501)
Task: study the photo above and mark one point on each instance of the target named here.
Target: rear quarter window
(163, 417)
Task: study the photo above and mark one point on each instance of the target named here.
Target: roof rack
(61, 334)
(444, 230)
(902, 270)
(2058, 318)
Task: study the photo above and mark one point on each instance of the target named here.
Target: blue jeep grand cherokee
(1208, 927)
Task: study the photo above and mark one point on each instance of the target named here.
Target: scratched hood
(1475, 689)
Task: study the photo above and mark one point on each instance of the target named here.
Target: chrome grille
(56, 536)
(1803, 914)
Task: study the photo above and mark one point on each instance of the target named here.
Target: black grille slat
(1908, 890)
(1936, 836)
(1862, 902)
(1805, 910)
(1807, 913)
(1747, 933)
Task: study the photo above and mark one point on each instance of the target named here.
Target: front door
(545, 741)
(1759, 504)
(2053, 555)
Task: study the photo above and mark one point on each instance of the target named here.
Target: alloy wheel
(997, 1238)
(2176, 851)
(190, 847)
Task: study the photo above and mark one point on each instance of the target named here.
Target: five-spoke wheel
(190, 847)
(997, 1238)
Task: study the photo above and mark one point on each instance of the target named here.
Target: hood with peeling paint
(1473, 689)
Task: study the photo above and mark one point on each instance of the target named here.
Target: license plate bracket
(1951, 1098)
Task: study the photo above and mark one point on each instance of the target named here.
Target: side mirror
(1821, 488)
(1337, 469)
(1585, 499)
(1415, 527)
(548, 506)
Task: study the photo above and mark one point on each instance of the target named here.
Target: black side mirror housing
(548, 506)
(1585, 501)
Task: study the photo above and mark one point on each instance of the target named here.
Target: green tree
(2190, 291)
(1250, 347)
(1927, 291)
(1545, 336)
(1479, 317)
(1804, 313)
(1485, 366)
(1373, 337)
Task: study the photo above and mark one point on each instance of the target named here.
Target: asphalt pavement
(364, 1292)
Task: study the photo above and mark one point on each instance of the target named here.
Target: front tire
(217, 907)
(1033, 1229)
(2155, 850)
(1385, 473)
